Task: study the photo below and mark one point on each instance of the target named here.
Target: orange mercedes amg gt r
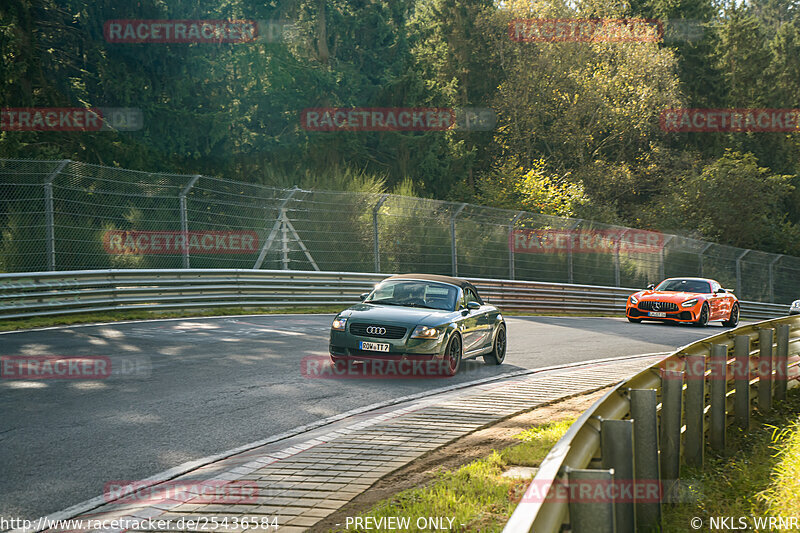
(688, 300)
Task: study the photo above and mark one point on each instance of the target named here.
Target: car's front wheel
(733, 319)
(702, 319)
(452, 355)
(498, 354)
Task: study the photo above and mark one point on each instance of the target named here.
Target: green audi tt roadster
(420, 317)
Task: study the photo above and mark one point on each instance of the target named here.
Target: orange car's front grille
(658, 306)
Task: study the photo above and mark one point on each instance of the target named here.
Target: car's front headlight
(634, 300)
(424, 332)
(796, 304)
(339, 323)
(689, 303)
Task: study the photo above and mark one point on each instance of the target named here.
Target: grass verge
(116, 316)
(758, 477)
(476, 496)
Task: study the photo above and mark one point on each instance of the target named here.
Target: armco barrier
(63, 292)
(626, 441)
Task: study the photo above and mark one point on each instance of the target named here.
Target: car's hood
(666, 296)
(395, 314)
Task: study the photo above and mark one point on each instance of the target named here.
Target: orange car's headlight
(689, 303)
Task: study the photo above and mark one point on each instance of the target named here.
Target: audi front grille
(379, 331)
(669, 307)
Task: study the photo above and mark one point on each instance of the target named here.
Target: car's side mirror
(364, 296)
(651, 287)
(721, 290)
(472, 306)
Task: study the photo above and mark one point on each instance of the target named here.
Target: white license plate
(373, 346)
(657, 314)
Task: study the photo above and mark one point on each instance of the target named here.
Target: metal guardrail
(64, 292)
(632, 435)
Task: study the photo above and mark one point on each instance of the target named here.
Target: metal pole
(377, 249)
(616, 258)
(694, 443)
(671, 391)
(454, 255)
(765, 370)
(279, 222)
(645, 458)
(772, 278)
(702, 252)
(739, 273)
(597, 514)
(284, 241)
(49, 224)
(661, 267)
(616, 443)
(782, 362)
(185, 219)
(718, 377)
(741, 376)
(512, 245)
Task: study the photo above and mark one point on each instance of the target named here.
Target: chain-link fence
(65, 215)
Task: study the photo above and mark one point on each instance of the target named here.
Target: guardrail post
(592, 516)
(671, 392)
(512, 245)
(782, 362)
(765, 370)
(741, 376)
(645, 458)
(694, 443)
(377, 249)
(616, 445)
(453, 250)
(49, 224)
(718, 377)
(185, 219)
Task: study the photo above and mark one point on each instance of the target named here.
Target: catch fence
(67, 215)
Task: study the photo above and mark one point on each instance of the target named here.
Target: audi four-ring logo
(375, 330)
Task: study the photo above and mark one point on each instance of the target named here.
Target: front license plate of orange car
(374, 346)
(657, 314)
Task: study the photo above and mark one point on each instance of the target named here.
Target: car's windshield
(412, 293)
(684, 285)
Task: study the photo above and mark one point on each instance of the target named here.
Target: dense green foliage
(577, 123)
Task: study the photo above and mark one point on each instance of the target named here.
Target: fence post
(694, 443)
(48, 215)
(185, 219)
(718, 377)
(765, 370)
(772, 278)
(377, 249)
(616, 445)
(592, 516)
(782, 362)
(661, 267)
(279, 223)
(741, 375)
(701, 254)
(616, 259)
(671, 392)
(739, 290)
(645, 457)
(512, 245)
(453, 250)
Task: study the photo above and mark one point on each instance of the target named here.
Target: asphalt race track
(197, 387)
